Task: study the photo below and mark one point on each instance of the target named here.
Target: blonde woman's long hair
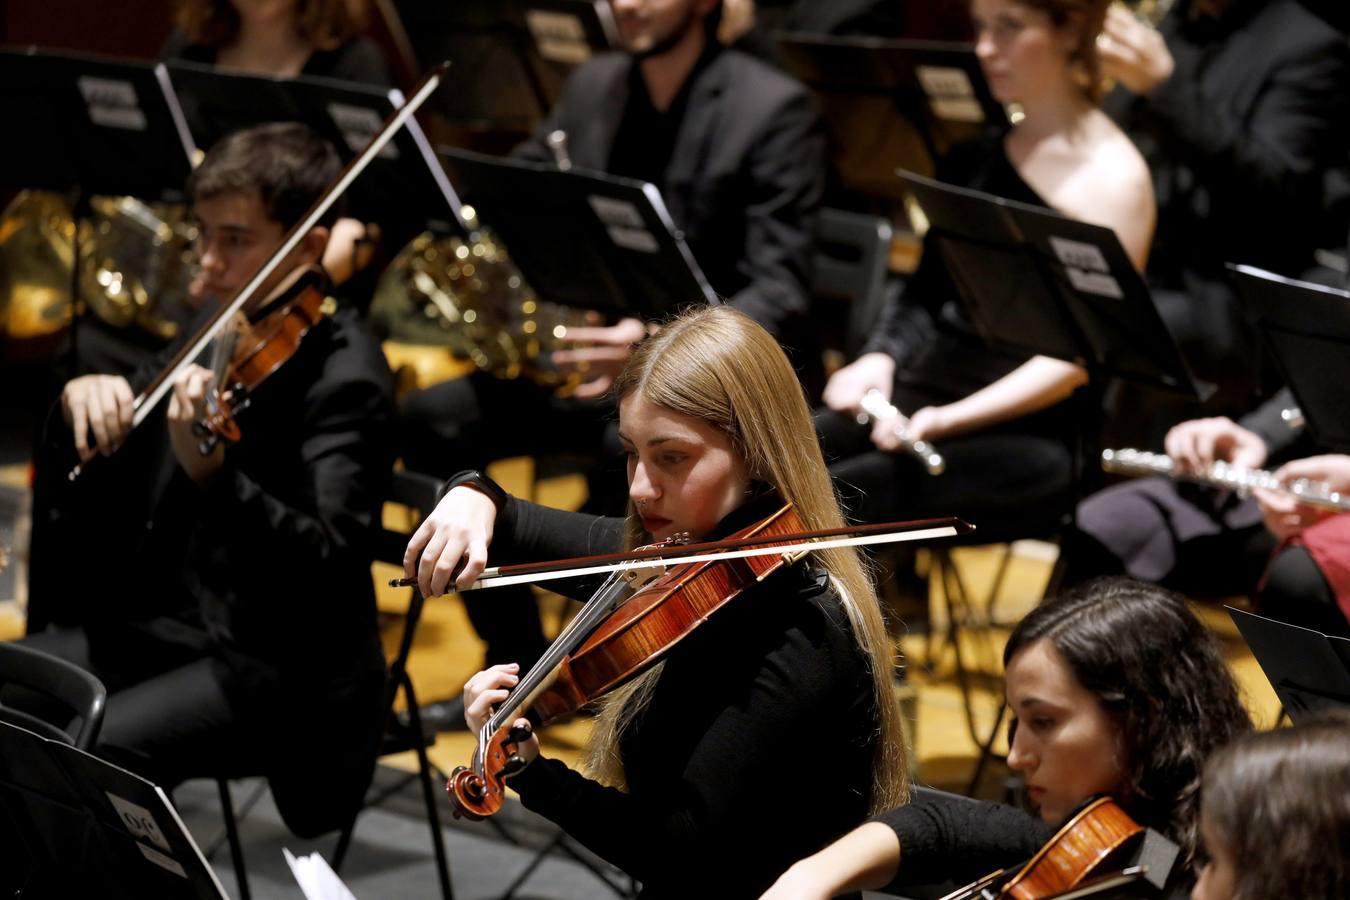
(718, 365)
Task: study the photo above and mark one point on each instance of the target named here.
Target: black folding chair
(61, 685)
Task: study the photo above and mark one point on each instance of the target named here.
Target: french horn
(467, 296)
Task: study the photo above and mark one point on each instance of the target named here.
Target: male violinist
(225, 597)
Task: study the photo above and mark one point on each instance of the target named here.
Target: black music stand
(75, 826)
(405, 183)
(91, 125)
(506, 96)
(1035, 282)
(891, 104)
(1307, 328)
(584, 239)
(1309, 670)
(520, 51)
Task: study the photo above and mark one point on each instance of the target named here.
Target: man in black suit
(1240, 108)
(735, 148)
(225, 597)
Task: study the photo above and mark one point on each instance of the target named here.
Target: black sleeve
(1268, 424)
(731, 793)
(535, 148)
(540, 532)
(960, 840)
(1273, 150)
(908, 319)
(345, 459)
(787, 171)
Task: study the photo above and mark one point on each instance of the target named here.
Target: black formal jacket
(1239, 138)
(265, 569)
(743, 181)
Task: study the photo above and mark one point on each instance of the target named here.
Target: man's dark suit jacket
(743, 182)
(1239, 141)
(265, 570)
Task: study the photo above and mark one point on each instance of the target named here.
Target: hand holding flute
(876, 407)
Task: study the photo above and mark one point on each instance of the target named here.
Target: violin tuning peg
(200, 430)
(513, 765)
(519, 733)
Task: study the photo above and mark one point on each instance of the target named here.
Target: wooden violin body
(627, 639)
(1090, 844)
(261, 347)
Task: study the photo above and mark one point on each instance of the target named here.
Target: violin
(641, 611)
(246, 355)
(1089, 846)
(223, 317)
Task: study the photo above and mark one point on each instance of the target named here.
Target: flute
(1225, 475)
(875, 406)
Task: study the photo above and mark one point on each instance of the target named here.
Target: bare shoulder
(1114, 188)
(1116, 167)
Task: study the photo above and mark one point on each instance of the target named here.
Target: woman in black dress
(1115, 688)
(1001, 419)
(772, 728)
(279, 37)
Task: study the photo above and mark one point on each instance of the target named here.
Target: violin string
(553, 657)
(586, 619)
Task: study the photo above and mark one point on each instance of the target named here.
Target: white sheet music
(316, 878)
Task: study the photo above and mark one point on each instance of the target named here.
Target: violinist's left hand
(484, 691)
(187, 406)
(606, 349)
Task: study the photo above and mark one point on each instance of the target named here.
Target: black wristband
(478, 480)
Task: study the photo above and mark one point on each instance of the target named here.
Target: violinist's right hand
(871, 371)
(458, 531)
(101, 406)
(1196, 445)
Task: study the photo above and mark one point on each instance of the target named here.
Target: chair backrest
(414, 490)
(53, 679)
(418, 491)
(852, 254)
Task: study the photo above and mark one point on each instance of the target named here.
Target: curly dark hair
(287, 163)
(1280, 804)
(324, 24)
(1160, 674)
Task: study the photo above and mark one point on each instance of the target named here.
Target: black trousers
(172, 713)
(1016, 476)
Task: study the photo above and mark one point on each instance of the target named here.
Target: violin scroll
(474, 795)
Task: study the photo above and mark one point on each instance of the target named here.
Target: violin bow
(801, 543)
(149, 398)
